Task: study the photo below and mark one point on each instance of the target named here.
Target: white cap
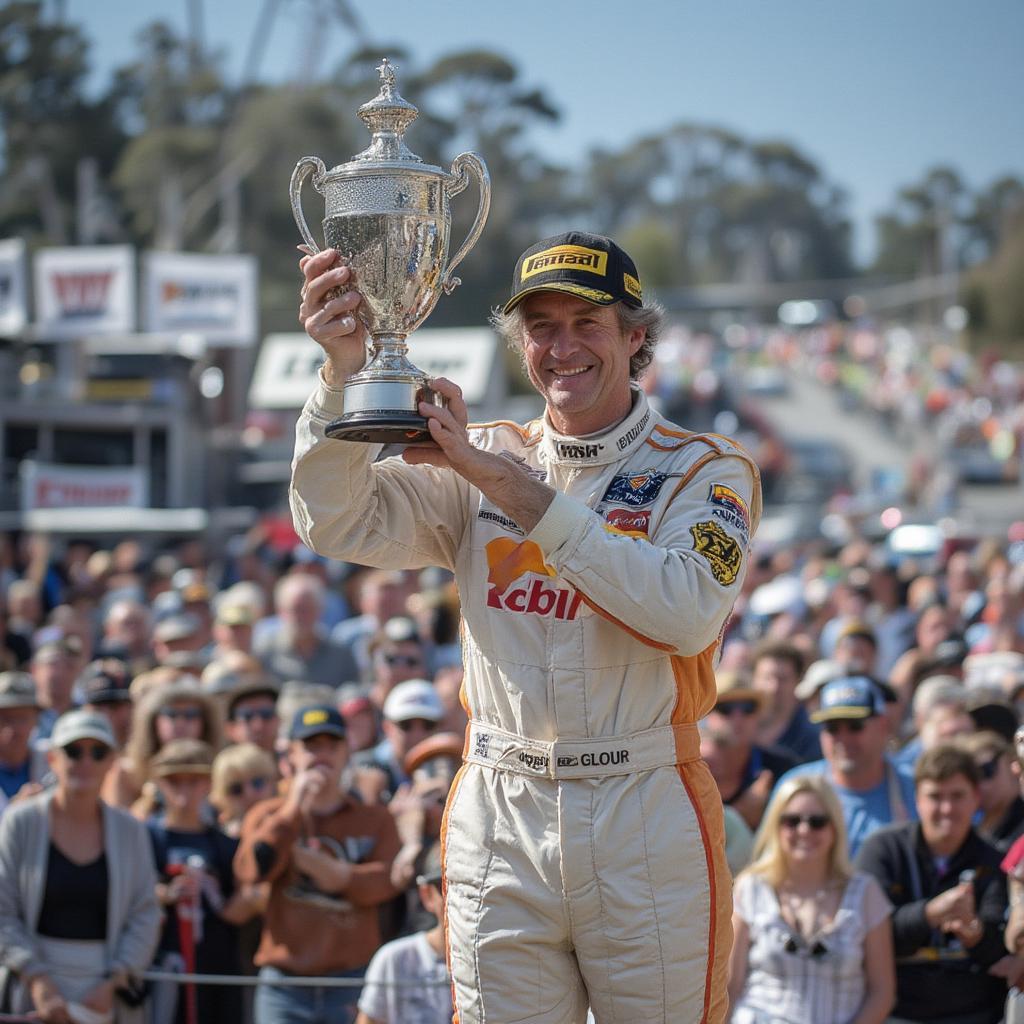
(415, 698)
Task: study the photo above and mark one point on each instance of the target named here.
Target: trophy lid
(387, 116)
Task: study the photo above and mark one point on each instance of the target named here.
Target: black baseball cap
(317, 720)
(105, 681)
(591, 267)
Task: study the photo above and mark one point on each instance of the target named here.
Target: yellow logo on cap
(576, 257)
(632, 286)
(314, 717)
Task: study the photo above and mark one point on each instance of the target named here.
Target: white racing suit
(583, 839)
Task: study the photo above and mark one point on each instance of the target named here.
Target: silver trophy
(387, 214)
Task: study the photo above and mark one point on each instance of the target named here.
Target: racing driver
(598, 552)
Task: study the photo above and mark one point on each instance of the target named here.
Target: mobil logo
(519, 580)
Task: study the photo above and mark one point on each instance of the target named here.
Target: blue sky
(874, 90)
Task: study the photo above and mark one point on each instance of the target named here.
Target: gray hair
(650, 316)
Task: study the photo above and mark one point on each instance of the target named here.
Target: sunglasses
(989, 768)
(257, 784)
(413, 723)
(729, 707)
(187, 714)
(255, 715)
(406, 660)
(75, 752)
(816, 822)
(844, 724)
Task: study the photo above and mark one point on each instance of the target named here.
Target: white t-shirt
(423, 995)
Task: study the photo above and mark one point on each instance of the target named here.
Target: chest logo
(517, 580)
(635, 489)
(718, 549)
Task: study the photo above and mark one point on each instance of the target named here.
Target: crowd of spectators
(235, 761)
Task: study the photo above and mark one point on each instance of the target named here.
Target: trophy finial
(387, 116)
(386, 70)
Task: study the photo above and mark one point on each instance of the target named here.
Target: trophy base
(394, 427)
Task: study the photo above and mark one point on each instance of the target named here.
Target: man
(178, 641)
(949, 896)
(382, 596)
(127, 633)
(328, 860)
(252, 714)
(411, 713)
(775, 673)
(233, 627)
(597, 552)
(22, 766)
(299, 649)
(939, 712)
(54, 667)
(743, 770)
(396, 652)
(873, 791)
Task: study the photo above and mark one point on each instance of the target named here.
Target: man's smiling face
(577, 356)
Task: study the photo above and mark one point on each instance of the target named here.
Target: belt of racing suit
(583, 758)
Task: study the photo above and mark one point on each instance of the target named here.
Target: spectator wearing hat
(105, 689)
(233, 627)
(776, 670)
(194, 865)
(412, 711)
(178, 641)
(78, 914)
(743, 770)
(328, 858)
(170, 711)
(55, 665)
(407, 979)
(872, 789)
(252, 714)
(999, 788)
(949, 895)
(22, 764)
(300, 647)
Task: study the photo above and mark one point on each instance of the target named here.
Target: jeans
(285, 1004)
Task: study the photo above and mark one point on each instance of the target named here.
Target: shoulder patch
(635, 489)
(718, 549)
(730, 507)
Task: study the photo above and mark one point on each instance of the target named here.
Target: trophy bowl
(388, 215)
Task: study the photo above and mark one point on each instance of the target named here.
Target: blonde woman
(813, 940)
(242, 776)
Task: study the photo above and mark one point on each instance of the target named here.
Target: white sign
(287, 365)
(51, 486)
(214, 296)
(13, 297)
(85, 290)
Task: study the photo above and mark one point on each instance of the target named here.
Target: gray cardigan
(133, 914)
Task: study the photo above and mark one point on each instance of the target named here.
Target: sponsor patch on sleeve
(729, 506)
(722, 552)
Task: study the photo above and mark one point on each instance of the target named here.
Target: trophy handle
(302, 171)
(463, 166)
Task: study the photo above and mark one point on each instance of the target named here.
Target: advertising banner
(286, 368)
(85, 290)
(46, 485)
(13, 290)
(214, 296)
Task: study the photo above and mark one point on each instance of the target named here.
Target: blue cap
(849, 697)
(317, 720)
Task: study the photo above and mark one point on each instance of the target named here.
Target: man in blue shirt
(872, 789)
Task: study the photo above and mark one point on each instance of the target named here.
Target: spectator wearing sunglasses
(1002, 809)
(872, 789)
(949, 896)
(243, 774)
(813, 941)
(744, 770)
(252, 714)
(78, 914)
(396, 653)
(411, 714)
